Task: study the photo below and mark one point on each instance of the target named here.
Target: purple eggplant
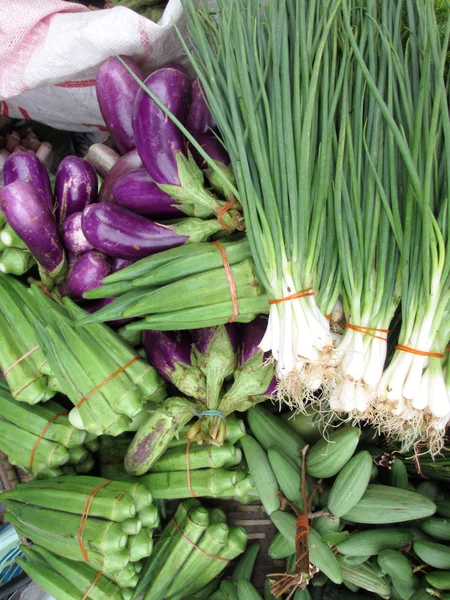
(121, 263)
(86, 274)
(116, 92)
(254, 380)
(137, 192)
(25, 166)
(125, 164)
(102, 158)
(74, 239)
(122, 234)
(163, 149)
(215, 150)
(199, 119)
(171, 355)
(31, 218)
(75, 186)
(216, 349)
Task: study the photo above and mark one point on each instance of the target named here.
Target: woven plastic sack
(51, 49)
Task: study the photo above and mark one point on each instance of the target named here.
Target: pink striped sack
(50, 51)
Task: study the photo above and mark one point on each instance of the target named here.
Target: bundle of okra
(202, 470)
(106, 524)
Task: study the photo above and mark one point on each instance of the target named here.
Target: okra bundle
(39, 439)
(22, 361)
(105, 524)
(66, 579)
(194, 548)
(183, 288)
(105, 379)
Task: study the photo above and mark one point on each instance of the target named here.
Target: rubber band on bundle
(19, 360)
(301, 294)
(231, 281)
(100, 385)
(368, 330)
(178, 528)
(419, 352)
(225, 208)
(84, 517)
(302, 526)
(93, 584)
(36, 443)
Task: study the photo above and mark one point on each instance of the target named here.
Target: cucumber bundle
(39, 439)
(107, 526)
(194, 548)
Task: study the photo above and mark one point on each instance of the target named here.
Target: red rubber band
(301, 294)
(419, 352)
(106, 380)
(93, 584)
(33, 450)
(225, 208)
(367, 331)
(19, 360)
(231, 281)
(177, 527)
(84, 517)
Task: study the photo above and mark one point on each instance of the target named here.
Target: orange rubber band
(188, 473)
(301, 294)
(231, 281)
(178, 528)
(447, 348)
(302, 526)
(225, 208)
(419, 352)
(19, 360)
(93, 584)
(106, 380)
(367, 331)
(328, 317)
(33, 450)
(84, 517)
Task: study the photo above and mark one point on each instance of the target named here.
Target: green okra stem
(229, 590)
(85, 466)
(149, 517)
(204, 482)
(235, 430)
(19, 457)
(182, 546)
(200, 457)
(54, 584)
(132, 526)
(77, 455)
(51, 453)
(140, 546)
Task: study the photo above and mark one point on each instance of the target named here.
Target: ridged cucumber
(328, 456)
(435, 555)
(373, 541)
(262, 473)
(439, 579)
(396, 565)
(367, 578)
(322, 557)
(383, 504)
(350, 484)
(437, 528)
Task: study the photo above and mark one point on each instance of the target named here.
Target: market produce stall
(224, 327)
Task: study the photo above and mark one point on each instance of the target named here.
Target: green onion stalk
(272, 76)
(368, 213)
(413, 403)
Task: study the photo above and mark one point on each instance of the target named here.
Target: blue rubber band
(211, 413)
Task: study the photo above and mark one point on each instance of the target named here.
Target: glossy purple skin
(116, 92)
(121, 263)
(33, 221)
(75, 186)
(125, 164)
(87, 273)
(138, 192)
(202, 337)
(121, 234)
(74, 239)
(26, 166)
(252, 333)
(165, 347)
(178, 67)
(157, 138)
(199, 119)
(213, 149)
